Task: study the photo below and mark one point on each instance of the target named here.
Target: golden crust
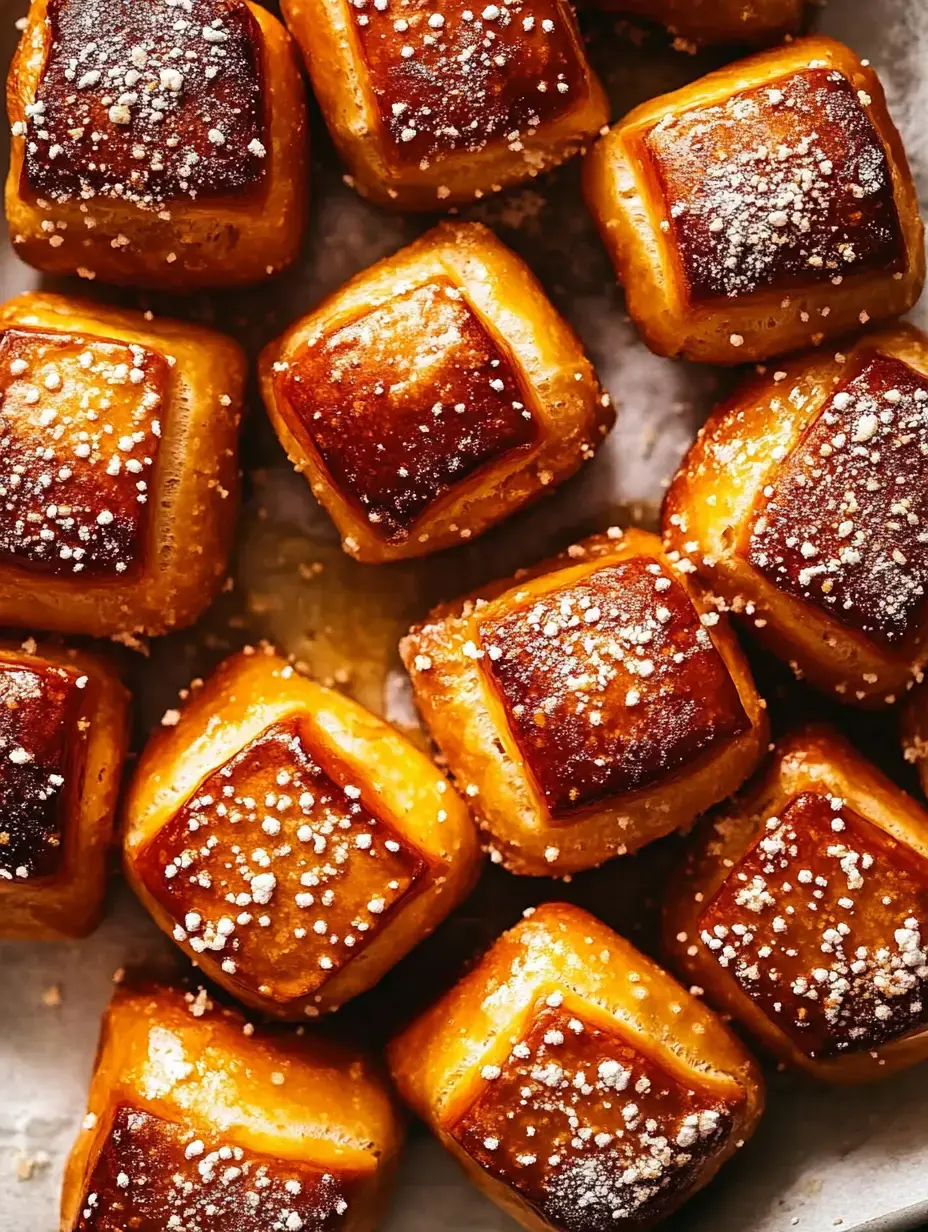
(65, 733)
(364, 835)
(719, 21)
(714, 279)
(192, 484)
(854, 625)
(210, 1099)
(188, 240)
(561, 960)
(645, 765)
(823, 859)
(403, 108)
(391, 326)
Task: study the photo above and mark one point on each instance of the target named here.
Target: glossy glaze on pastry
(299, 851)
(64, 718)
(577, 1085)
(118, 470)
(800, 505)
(764, 208)
(801, 912)
(586, 706)
(433, 395)
(432, 103)
(156, 144)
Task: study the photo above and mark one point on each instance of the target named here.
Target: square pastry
(718, 21)
(433, 103)
(118, 466)
(576, 1083)
(802, 504)
(156, 144)
(433, 395)
(764, 208)
(64, 729)
(297, 848)
(198, 1120)
(587, 706)
(803, 912)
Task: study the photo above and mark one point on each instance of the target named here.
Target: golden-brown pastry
(718, 21)
(199, 1122)
(292, 843)
(64, 728)
(434, 102)
(764, 208)
(156, 144)
(118, 479)
(802, 504)
(587, 706)
(434, 395)
(803, 912)
(575, 1082)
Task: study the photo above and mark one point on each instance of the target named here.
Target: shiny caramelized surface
(590, 1132)
(152, 1175)
(80, 424)
(842, 523)
(784, 185)
(610, 684)
(454, 79)
(147, 101)
(821, 926)
(276, 871)
(42, 738)
(407, 401)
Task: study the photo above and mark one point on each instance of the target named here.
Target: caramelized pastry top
(152, 1174)
(610, 684)
(450, 79)
(147, 101)
(782, 185)
(843, 523)
(80, 422)
(590, 1132)
(407, 401)
(819, 924)
(41, 762)
(277, 871)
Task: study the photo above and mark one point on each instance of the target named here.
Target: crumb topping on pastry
(147, 101)
(449, 79)
(843, 523)
(153, 1175)
(611, 684)
(783, 185)
(277, 872)
(42, 738)
(80, 429)
(591, 1133)
(821, 924)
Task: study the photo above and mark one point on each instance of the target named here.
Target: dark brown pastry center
(42, 745)
(407, 402)
(591, 1133)
(822, 926)
(148, 101)
(843, 523)
(449, 79)
(80, 429)
(611, 684)
(784, 185)
(278, 872)
(152, 1175)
